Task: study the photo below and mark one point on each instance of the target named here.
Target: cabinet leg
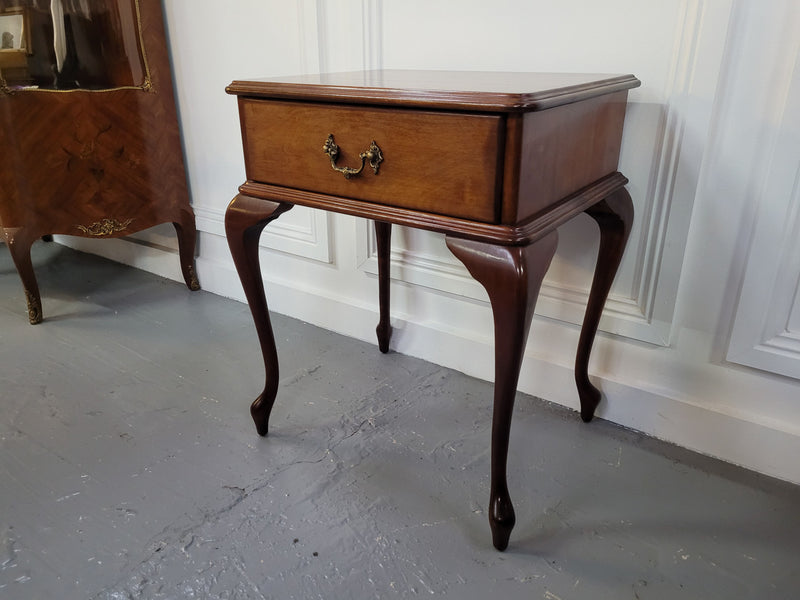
(614, 215)
(512, 276)
(383, 235)
(19, 243)
(245, 219)
(187, 238)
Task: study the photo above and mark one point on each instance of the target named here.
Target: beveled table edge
(485, 101)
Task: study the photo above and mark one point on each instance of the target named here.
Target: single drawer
(440, 162)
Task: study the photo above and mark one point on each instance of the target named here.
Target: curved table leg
(614, 215)
(19, 241)
(512, 276)
(383, 235)
(187, 237)
(245, 218)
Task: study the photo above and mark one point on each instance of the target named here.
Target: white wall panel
(766, 326)
(674, 48)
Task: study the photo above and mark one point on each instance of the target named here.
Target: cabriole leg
(614, 215)
(19, 242)
(187, 237)
(512, 276)
(245, 218)
(383, 236)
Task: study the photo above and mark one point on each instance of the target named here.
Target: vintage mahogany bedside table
(495, 161)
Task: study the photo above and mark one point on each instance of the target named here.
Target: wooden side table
(495, 161)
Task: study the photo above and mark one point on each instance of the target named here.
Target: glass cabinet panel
(71, 44)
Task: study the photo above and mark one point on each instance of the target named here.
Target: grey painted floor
(129, 468)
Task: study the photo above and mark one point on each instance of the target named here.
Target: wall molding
(308, 35)
(372, 22)
(765, 332)
(302, 231)
(657, 287)
(645, 310)
(622, 315)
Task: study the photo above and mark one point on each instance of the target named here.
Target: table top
(461, 90)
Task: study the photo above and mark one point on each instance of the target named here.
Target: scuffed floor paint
(130, 469)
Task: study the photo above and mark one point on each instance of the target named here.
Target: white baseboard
(665, 412)
(157, 259)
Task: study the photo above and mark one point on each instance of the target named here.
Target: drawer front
(443, 163)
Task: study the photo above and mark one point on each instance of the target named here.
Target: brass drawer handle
(372, 154)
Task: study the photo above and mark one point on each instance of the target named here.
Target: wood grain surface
(437, 162)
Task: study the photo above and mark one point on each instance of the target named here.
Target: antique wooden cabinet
(88, 128)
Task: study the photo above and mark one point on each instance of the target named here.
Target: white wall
(711, 149)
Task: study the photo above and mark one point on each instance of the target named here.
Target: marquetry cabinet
(88, 128)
